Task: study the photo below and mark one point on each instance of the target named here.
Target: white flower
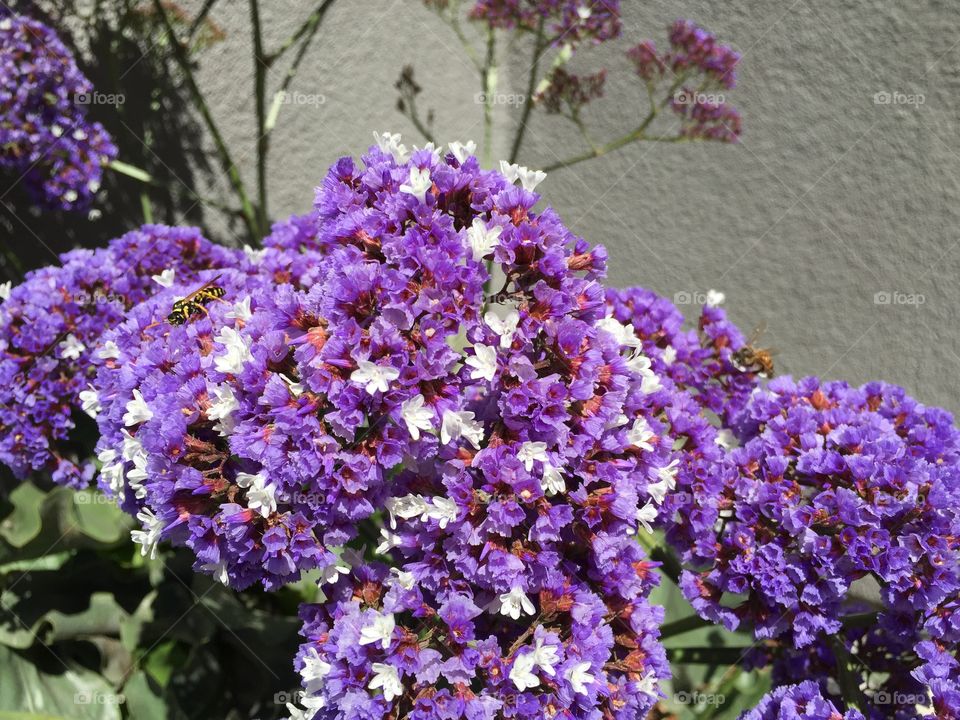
(237, 352)
(381, 631)
(71, 348)
(253, 255)
(390, 143)
(624, 334)
(522, 672)
(578, 677)
(374, 377)
(646, 515)
(165, 279)
(90, 402)
(296, 388)
(457, 424)
(443, 511)
(218, 571)
(461, 151)
(528, 178)
(110, 471)
(137, 410)
(669, 355)
(640, 435)
(483, 240)
(223, 408)
(668, 474)
(132, 447)
(584, 12)
(109, 351)
(390, 541)
(513, 603)
(314, 671)
(530, 452)
(241, 311)
(416, 416)
(419, 183)
(483, 362)
(138, 474)
(505, 327)
(545, 656)
(386, 677)
(260, 495)
(648, 685)
(5, 289)
(726, 439)
(404, 579)
(552, 481)
(405, 508)
(331, 573)
(715, 298)
(149, 537)
(432, 149)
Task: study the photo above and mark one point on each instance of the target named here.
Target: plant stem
(233, 174)
(706, 655)
(489, 82)
(531, 87)
(669, 565)
(678, 627)
(260, 91)
(147, 208)
(198, 20)
(846, 678)
(307, 30)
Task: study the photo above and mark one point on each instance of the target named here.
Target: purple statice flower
(49, 331)
(207, 435)
(698, 70)
(803, 701)
(829, 485)
(566, 93)
(569, 22)
(517, 439)
(45, 136)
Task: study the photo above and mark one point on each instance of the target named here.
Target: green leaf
(39, 688)
(143, 702)
(23, 524)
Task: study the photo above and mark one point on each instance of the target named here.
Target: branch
(307, 30)
(260, 90)
(678, 627)
(198, 20)
(231, 169)
(531, 87)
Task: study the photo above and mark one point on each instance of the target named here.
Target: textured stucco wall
(829, 200)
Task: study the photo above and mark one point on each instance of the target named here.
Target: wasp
(750, 358)
(195, 303)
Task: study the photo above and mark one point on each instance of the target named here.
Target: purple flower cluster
(567, 93)
(697, 69)
(45, 136)
(798, 702)
(514, 441)
(569, 22)
(207, 434)
(49, 331)
(832, 487)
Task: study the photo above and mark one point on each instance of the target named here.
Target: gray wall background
(829, 199)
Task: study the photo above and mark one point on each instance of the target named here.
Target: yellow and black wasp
(195, 303)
